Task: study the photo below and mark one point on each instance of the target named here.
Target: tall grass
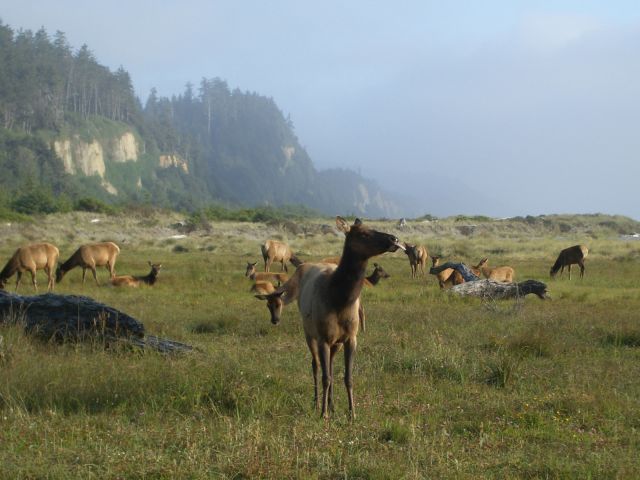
(444, 387)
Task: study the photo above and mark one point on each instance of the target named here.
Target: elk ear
(375, 265)
(149, 262)
(342, 224)
(253, 264)
(357, 222)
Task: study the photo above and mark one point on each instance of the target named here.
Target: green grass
(444, 387)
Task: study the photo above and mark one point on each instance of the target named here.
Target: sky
(490, 107)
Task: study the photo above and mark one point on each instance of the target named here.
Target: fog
(494, 108)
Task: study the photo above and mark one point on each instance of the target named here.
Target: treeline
(42, 81)
(239, 147)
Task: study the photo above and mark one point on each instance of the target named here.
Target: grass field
(445, 387)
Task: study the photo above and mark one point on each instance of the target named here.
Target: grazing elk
(417, 258)
(264, 276)
(275, 251)
(568, 257)
(499, 274)
(91, 256)
(448, 277)
(136, 280)
(30, 258)
(329, 304)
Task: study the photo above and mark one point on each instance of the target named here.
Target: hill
(70, 129)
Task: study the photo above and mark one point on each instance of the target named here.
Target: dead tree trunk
(498, 290)
(71, 317)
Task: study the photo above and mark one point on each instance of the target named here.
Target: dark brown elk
(30, 258)
(499, 274)
(91, 256)
(417, 258)
(329, 304)
(448, 277)
(275, 251)
(570, 256)
(136, 280)
(264, 276)
(378, 274)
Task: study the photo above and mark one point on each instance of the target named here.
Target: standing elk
(448, 277)
(264, 276)
(91, 256)
(499, 274)
(30, 258)
(417, 258)
(275, 251)
(329, 304)
(568, 257)
(137, 280)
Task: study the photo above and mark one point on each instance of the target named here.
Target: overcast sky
(479, 107)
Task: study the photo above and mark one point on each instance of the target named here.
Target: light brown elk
(275, 251)
(264, 276)
(499, 274)
(329, 304)
(91, 256)
(136, 280)
(448, 277)
(570, 256)
(30, 258)
(262, 288)
(417, 258)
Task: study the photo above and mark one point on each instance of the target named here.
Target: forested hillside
(72, 129)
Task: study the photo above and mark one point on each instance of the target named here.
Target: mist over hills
(72, 128)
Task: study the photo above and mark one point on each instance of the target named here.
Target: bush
(35, 202)
(88, 204)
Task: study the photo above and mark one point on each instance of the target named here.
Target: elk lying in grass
(378, 274)
(417, 258)
(275, 251)
(448, 277)
(329, 304)
(30, 258)
(568, 257)
(262, 288)
(264, 276)
(91, 256)
(499, 274)
(135, 280)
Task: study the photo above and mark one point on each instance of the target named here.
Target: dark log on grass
(72, 317)
(498, 290)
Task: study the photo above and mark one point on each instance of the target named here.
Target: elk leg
(95, 275)
(569, 267)
(33, 279)
(326, 377)
(349, 355)
(84, 273)
(361, 317)
(313, 348)
(284, 266)
(18, 279)
(267, 265)
(334, 350)
(581, 265)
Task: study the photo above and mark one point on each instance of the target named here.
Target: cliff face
(89, 158)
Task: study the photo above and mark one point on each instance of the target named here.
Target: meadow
(445, 387)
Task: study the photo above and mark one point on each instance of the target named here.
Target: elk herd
(44, 256)
(327, 292)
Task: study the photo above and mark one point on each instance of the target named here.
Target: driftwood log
(72, 317)
(498, 290)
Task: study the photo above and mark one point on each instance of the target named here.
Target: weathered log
(71, 317)
(461, 268)
(498, 290)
